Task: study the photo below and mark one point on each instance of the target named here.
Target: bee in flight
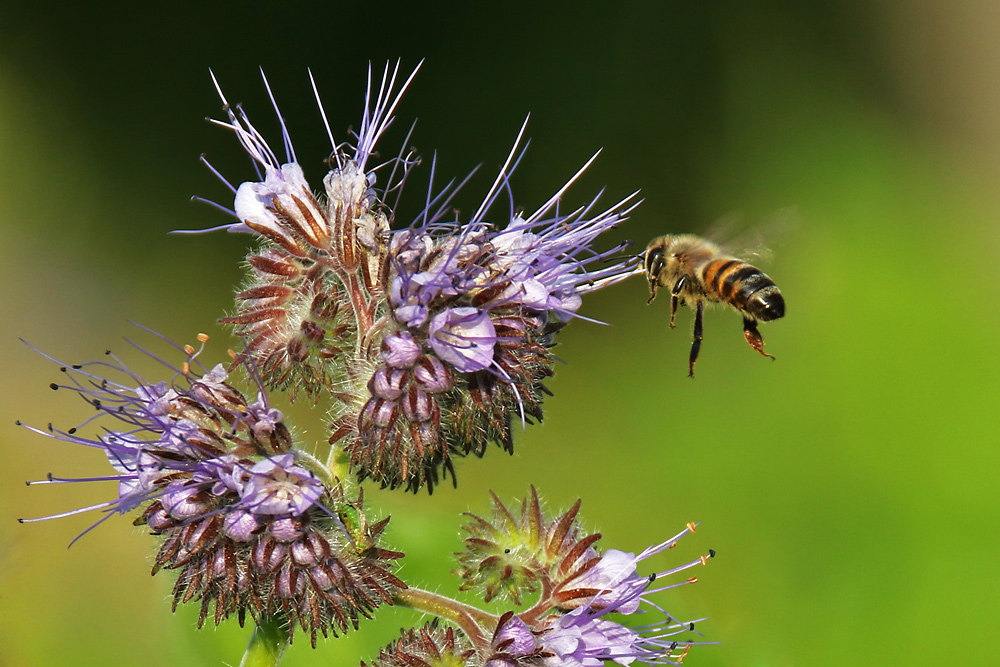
(696, 271)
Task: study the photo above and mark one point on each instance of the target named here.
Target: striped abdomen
(744, 287)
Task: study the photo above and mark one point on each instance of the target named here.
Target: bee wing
(753, 241)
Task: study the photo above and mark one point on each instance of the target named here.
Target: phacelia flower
(599, 594)
(428, 340)
(514, 643)
(243, 518)
(583, 593)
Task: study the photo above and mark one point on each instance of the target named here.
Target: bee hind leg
(754, 339)
(699, 312)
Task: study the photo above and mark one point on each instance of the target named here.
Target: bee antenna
(617, 258)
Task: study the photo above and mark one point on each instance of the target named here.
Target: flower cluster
(428, 341)
(243, 517)
(472, 314)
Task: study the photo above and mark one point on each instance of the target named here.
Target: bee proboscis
(696, 270)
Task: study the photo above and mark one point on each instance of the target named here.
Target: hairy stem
(475, 623)
(267, 644)
(328, 476)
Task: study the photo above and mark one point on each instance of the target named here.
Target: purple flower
(279, 487)
(513, 644)
(464, 337)
(263, 418)
(400, 350)
(586, 636)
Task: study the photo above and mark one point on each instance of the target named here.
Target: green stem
(328, 476)
(477, 624)
(267, 645)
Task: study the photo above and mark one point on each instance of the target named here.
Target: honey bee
(696, 271)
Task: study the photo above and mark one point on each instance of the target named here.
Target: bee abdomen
(744, 287)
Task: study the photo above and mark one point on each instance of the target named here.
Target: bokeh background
(850, 487)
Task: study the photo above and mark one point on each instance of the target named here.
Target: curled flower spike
(430, 340)
(244, 519)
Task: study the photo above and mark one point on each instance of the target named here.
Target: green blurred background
(850, 488)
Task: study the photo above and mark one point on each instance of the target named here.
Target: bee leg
(675, 299)
(652, 292)
(754, 339)
(699, 312)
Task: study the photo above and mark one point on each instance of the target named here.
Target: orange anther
(692, 526)
(232, 354)
(185, 368)
(189, 349)
(202, 338)
(704, 559)
(692, 580)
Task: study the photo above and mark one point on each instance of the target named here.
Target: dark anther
(691, 626)
(50, 427)
(77, 367)
(62, 369)
(711, 553)
(53, 386)
(17, 422)
(72, 431)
